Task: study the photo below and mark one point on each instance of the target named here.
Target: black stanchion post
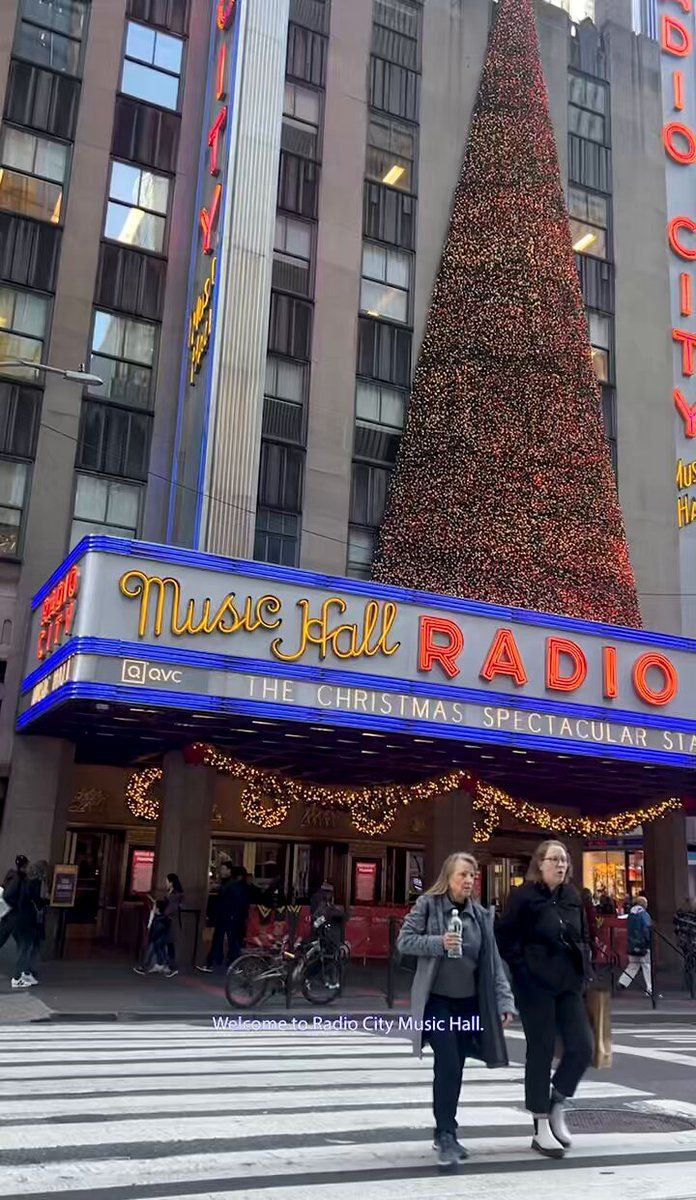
(653, 989)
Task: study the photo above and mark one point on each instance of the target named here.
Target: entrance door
(500, 877)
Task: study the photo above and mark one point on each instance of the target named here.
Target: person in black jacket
(230, 918)
(12, 886)
(544, 940)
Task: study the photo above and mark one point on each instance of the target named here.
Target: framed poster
(364, 882)
(64, 888)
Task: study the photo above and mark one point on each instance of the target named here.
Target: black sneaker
(462, 1152)
(447, 1151)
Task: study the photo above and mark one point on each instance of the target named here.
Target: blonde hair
(441, 884)
(534, 870)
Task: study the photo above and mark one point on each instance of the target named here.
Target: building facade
(236, 223)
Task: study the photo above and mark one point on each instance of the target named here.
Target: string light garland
(503, 489)
(268, 796)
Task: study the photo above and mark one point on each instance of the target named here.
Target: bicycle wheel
(322, 980)
(243, 986)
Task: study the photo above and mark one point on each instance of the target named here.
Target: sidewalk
(107, 989)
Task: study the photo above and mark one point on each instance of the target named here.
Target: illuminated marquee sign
(201, 325)
(58, 614)
(208, 634)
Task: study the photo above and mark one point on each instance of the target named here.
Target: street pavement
(134, 1111)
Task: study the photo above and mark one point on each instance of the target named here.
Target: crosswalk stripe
(304, 1117)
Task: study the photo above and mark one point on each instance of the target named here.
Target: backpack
(638, 936)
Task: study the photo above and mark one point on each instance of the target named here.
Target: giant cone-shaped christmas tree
(503, 489)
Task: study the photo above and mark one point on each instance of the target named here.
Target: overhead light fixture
(586, 240)
(394, 174)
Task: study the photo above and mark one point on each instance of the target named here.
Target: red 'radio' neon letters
(675, 38)
(676, 129)
(504, 658)
(611, 685)
(555, 648)
(430, 652)
(640, 670)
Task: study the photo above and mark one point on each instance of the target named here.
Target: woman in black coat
(544, 940)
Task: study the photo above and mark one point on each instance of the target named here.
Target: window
(113, 441)
(377, 405)
(105, 506)
(283, 405)
(588, 222)
(290, 326)
(301, 118)
(277, 537)
(50, 33)
(384, 352)
(280, 477)
(369, 494)
(600, 337)
(32, 176)
(152, 66)
(42, 99)
(19, 419)
(29, 252)
(136, 213)
(298, 185)
(390, 153)
(313, 14)
(588, 163)
(386, 278)
(361, 550)
(306, 57)
(389, 215)
(13, 489)
(587, 108)
(123, 352)
(395, 32)
(130, 281)
(169, 14)
(393, 89)
(23, 324)
(292, 255)
(145, 134)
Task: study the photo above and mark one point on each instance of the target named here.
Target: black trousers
(451, 1046)
(544, 1018)
(7, 925)
(217, 949)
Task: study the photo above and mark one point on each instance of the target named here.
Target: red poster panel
(365, 882)
(142, 863)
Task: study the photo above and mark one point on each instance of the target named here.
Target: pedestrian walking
(230, 918)
(460, 999)
(29, 930)
(544, 939)
(156, 959)
(11, 888)
(174, 899)
(639, 933)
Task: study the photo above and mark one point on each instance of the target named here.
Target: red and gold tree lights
(503, 489)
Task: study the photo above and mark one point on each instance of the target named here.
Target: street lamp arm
(80, 376)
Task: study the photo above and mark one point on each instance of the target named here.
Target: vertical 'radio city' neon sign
(679, 140)
(209, 216)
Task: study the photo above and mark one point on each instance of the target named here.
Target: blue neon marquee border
(181, 556)
(120, 694)
(204, 660)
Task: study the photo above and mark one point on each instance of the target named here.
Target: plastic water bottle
(455, 926)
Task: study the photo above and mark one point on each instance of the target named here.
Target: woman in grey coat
(458, 1004)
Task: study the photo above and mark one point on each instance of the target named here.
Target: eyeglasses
(560, 862)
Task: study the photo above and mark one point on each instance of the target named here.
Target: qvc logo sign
(134, 671)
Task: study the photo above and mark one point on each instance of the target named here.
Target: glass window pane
(168, 52)
(290, 381)
(145, 83)
(599, 330)
(67, 16)
(125, 382)
(139, 344)
(30, 314)
(140, 42)
(122, 505)
(577, 203)
(586, 124)
(600, 362)
(306, 105)
(91, 497)
(18, 149)
(588, 239)
(133, 227)
(154, 192)
(398, 269)
(125, 183)
(48, 49)
(298, 239)
(122, 338)
(13, 478)
(374, 262)
(30, 196)
(597, 210)
(392, 412)
(384, 301)
(367, 406)
(51, 160)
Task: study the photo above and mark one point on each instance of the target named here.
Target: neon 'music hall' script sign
(201, 318)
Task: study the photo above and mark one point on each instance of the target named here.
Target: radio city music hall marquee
(163, 623)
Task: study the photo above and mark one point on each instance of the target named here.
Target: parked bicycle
(316, 964)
